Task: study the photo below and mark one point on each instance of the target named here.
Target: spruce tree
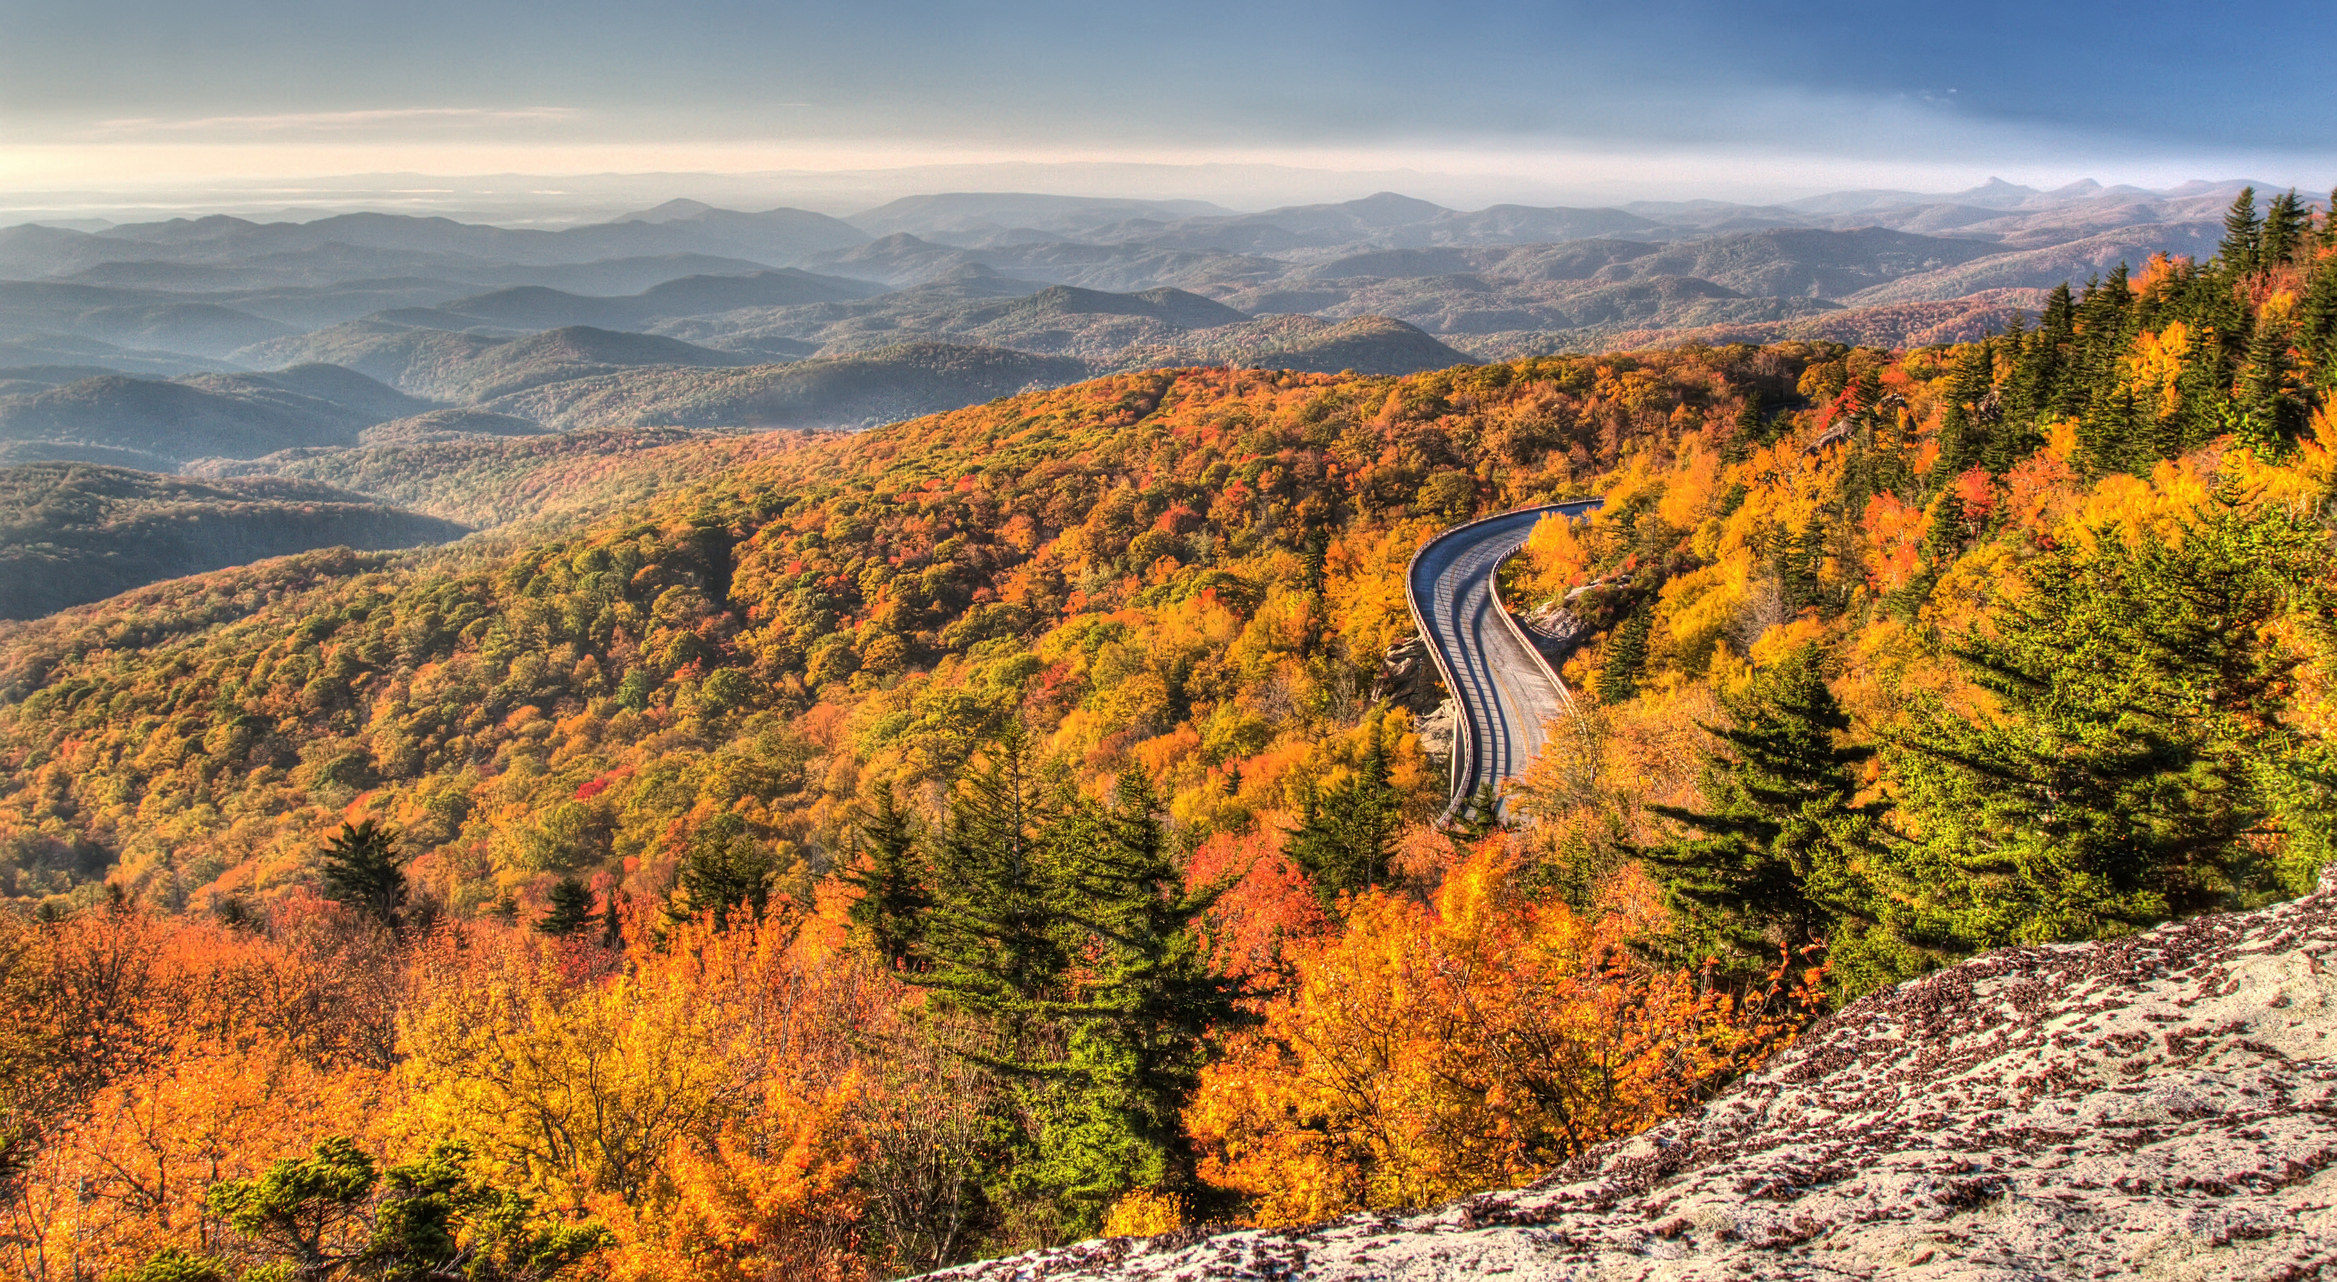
(2139, 763)
(1152, 1006)
(2287, 223)
(1060, 931)
(1347, 836)
(1775, 869)
(1975, 375)
(1958, 448)
(2272, 413)
(362, 870)
(725, 872)
(993, 945)
(2243, 235)
(1626, 655)
(889, 916)
(568, 910)
(2316, 318)
(1752, 426)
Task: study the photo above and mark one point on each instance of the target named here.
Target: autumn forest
(850, 854)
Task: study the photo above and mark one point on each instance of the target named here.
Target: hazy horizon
(496, 109)
(574, 200)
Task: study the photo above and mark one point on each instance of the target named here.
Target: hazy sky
(1489, 99)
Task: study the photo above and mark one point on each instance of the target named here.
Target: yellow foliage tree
(1434, 1051)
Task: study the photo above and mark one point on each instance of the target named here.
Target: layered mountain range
(213, 342)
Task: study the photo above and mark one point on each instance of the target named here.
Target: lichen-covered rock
(2162, 1106)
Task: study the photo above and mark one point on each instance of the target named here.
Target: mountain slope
(72, 533)
(541, 308)
(860, 390)
(1365, 344)
(159, 424)
(444, 365)
(483, 480)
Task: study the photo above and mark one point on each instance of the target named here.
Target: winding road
(1506, 692)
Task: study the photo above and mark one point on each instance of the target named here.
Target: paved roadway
(1506, 693)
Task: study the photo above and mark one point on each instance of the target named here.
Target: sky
(1246, 103)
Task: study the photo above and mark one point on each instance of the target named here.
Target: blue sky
(1747, 95)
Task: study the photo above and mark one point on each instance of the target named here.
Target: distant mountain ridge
(72, 533)
(137, 345)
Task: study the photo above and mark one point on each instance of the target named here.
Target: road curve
(1505, 692)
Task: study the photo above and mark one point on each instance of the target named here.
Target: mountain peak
(672, 211)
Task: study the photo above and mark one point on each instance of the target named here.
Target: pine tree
(2316, 317)
(2243, 235)
(2140, 758)
(569, 909)
(2273, 414)
(993, 945)
(1347, 836)
(724, 872)
(2287, 223)
(1153, 1008)
(1626, 655)
(1775, 870)
(891, 876)
(362, 871)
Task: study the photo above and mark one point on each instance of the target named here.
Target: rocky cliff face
(2163, 1106)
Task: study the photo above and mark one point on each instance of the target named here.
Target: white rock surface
(2159, 1107)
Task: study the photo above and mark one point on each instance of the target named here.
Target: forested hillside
(988, 831)
(72, 533)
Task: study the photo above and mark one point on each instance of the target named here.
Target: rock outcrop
(2162, 1106)
(1408, 678)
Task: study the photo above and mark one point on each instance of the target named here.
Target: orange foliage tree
(1439, 1049)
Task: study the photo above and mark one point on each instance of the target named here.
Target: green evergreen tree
(172, 1264)
(568, 910)
(2140, 765)
(992, 944)
(334, 1215)
(1776, 867)
(362, 871)
(1347, 836)
(309, 1212)
(725, 871)
(1061, 929)
(1478, 819)
(1958, 448)
(1153, 1007)
(439, 1218)
(2316, 317)
(2272, 413)
(1751, 423)
(2287, 224)
(1626, 655)
(889, 916)
(2110, 434)
(1975, 375)
(2243, 235)
(1943, 542)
